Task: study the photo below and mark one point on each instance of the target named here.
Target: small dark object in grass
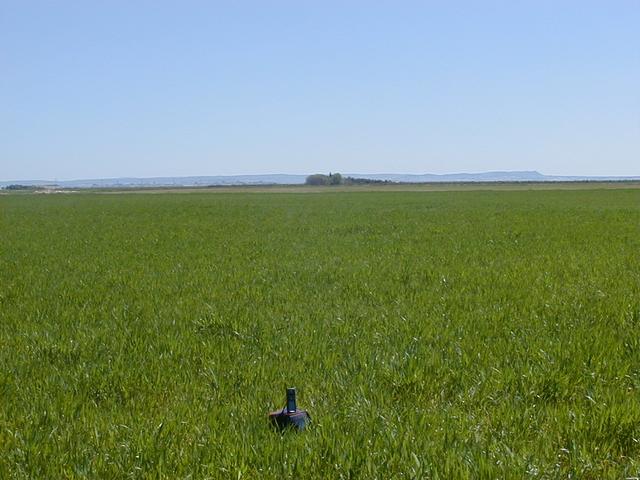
(290, 416)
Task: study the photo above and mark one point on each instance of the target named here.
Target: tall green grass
(430, 335)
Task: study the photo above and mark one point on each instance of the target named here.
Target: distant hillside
(458, 177)
(519, 176)
(284, 179)
(274, 179)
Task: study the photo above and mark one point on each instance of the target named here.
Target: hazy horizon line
(153, 177)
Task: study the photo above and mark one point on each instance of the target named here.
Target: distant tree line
(18, 187)
(338, 179)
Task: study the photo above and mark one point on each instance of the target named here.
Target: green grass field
(489, 334)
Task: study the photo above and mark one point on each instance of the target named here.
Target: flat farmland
(444, 334)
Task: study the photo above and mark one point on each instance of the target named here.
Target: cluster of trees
(18, 187)
(338, 179)
(320, 179)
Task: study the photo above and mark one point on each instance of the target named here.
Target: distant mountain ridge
(286, 179)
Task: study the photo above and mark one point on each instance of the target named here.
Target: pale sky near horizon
(157, 88)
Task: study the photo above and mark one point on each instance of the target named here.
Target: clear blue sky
(154, 88)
